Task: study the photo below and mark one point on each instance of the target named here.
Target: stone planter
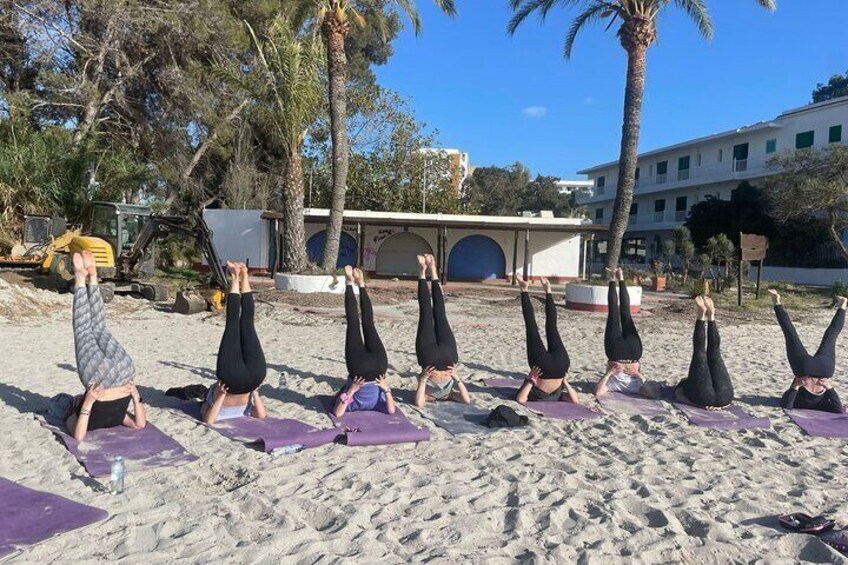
(309, 283)
(658, 284)
(593, 298)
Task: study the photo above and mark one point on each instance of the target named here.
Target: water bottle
(283, 380)
(288, 449)
(116, 481)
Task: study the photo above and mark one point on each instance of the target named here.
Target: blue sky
(505, 99)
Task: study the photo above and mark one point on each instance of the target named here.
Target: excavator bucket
(189, 302)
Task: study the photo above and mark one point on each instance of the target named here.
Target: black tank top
(107, 413)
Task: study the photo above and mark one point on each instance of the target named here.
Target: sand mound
(26, 302)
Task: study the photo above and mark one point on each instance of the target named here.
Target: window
(601, 247)
(720, 155)
(740, 157)
(601, 181)
(599, 214)
(683, 168)
(662, 170)
(634, 209)
(834, 134)
(636, 177)
(634, 249)
(805, 139)
(680, 206)
(698, 160)
(659, 210)
(771, 146)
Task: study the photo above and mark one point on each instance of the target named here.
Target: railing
(680, 215)
(740, 165)
(599, 190)
(683, 175)
(659, 217)
(661, 178)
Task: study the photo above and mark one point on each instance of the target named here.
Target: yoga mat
(630, 404)
(820, 424)
(505, 388)
(369, 427)
(269, 433)
(457, 418)
(732, 418)
(146, 448)
(30, 516)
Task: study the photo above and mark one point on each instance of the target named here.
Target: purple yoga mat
(269, 433)
(146, 448)
(560, 410)
(369, 427)
(633, 405)
(732, 418)
(30, 516)
(820, 424)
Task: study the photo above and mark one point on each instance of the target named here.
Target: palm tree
(636, 32)
(287, 92)
(334, 19)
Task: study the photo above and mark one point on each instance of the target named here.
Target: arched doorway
(476, 257)
(347, 248)
(397, 255)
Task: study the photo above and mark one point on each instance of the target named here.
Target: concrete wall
(813, 277)
(551, 254)
(240, 235)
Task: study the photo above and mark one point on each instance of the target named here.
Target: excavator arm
(160, 227)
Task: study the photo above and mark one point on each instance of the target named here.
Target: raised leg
(612, 331)
(721, 384)
(536, 351)
(796, 353)
(251, 348)
(444, 334)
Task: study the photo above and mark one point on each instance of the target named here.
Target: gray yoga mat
(632, 405)
(30, 516)
(732, 418)
(457, 418)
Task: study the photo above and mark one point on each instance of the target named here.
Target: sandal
(805, 524)
(837, 540)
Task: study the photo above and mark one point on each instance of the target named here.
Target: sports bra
(107, 413)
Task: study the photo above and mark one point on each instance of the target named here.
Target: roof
(456, 221)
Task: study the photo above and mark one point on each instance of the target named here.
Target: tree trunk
(294, 252)
(685, 273)
(834, 234)
(635, 35)
(334, 33)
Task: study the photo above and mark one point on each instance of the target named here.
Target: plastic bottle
(116, 481)
(288, 449)
(283, 379)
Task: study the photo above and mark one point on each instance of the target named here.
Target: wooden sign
(753, 247)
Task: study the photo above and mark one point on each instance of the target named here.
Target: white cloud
(535, 111)
(589, 101)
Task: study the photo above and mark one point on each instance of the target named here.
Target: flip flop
(837, 540)
(805, 524)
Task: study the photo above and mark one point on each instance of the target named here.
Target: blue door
(347, 249)
(476, 257)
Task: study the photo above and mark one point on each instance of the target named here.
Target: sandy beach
(617, 489)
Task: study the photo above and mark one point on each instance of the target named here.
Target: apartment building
(457, 164)
(575, 187)
(670, 180)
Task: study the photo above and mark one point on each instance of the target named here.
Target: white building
(670, 180)
(578, 187)
(458, 165)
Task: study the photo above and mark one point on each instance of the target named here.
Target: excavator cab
(120, 225)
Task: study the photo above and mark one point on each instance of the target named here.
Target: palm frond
(523, 9)
(447, 6)
(408, 7)
(699, 14)
(595, 13)
(770, 5)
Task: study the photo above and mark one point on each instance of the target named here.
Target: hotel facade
(670, 180)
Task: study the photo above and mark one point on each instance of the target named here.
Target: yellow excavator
(121, 238)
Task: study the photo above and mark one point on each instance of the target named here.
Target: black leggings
(823, 363)
(435, 345)
(708, 383)
(241, 363)
(621, 340)
(364, 359)
(554, 360)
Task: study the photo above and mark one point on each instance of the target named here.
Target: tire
(107, 292)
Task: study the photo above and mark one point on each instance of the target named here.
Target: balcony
(740, 165)
(599, 190)
(659, 217)
(683, 175)
(680, 215)
(661, 178)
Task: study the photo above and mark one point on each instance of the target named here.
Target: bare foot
(775, 296)
(233, 268)
(610, 273)
(422, 266)
(244, 278)
(359, 277)
(546, 284)
(842, 302)
(80, 271)
(522, 283)
(348, 274)
(711, 309)
(235, 276)
(702, 307)
(619, 274)
(431, 264)
(90, 266)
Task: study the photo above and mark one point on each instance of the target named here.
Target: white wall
(813, 277)
(240, 235)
